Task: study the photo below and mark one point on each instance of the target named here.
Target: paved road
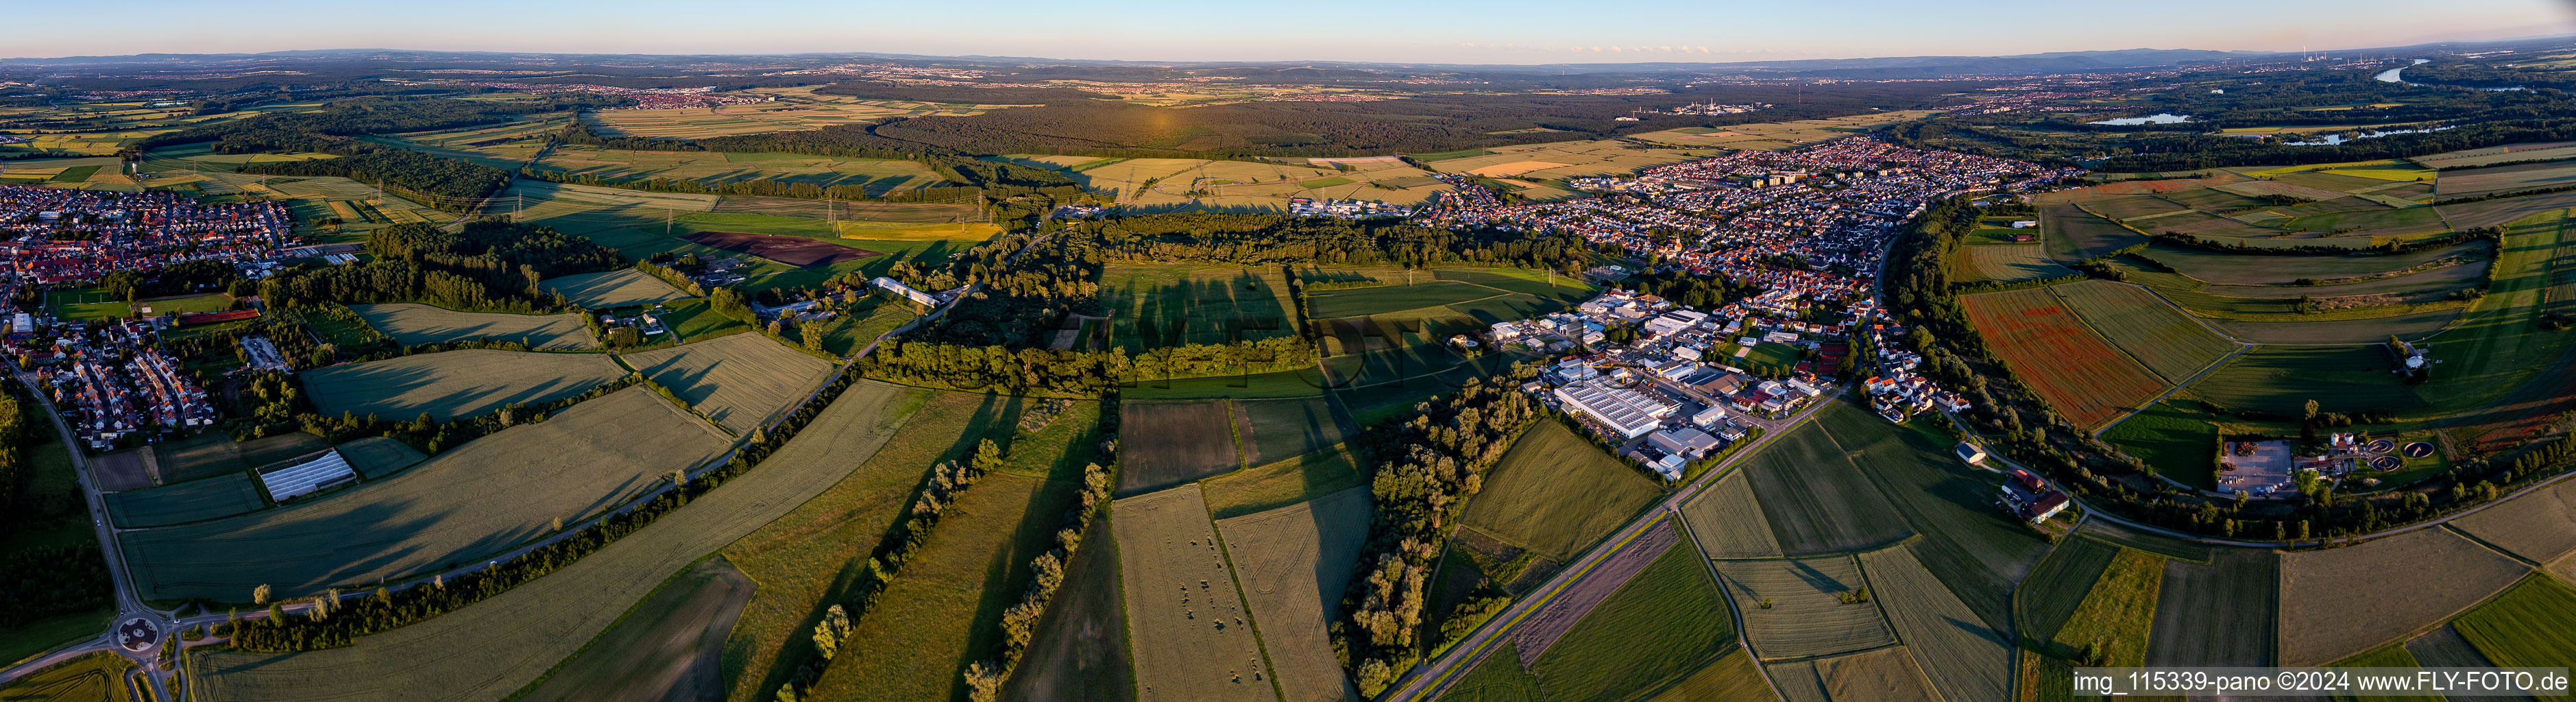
(1429, 679)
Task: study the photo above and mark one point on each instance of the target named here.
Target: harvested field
(1885, 675)
(2224, 613)
(1672, 608)
(2539, 526)
(90, 677)
(1267, 487)
(180, 503)
(1797, 681)
(1277, 430)
(2228, 268)
(791, 250)
(2498, 154)
(2474, 182)
(1966, 659)
(525, 631)
(2060, 583)
(1817, 500)
(1294, 562)
(2531, 625)
(2489, 213)
(1733, 678)
(376, 457)
(2315, 630)
(1173, 443)
(739, 381)
(2162, 338)
(412, 325)
(447, 511)
(613, 289)
(2061, 358)
(1543, 628)
(1186, 627)
(669, 647)
(1729, 523)
(452, 384)
(1804, 615)
(1556, 494)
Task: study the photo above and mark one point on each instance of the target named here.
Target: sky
(1489, 31)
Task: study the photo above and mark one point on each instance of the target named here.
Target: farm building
(898, 288)
(1627, 412)
(1971, 453)
(2031, 498)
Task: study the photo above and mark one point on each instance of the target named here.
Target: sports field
(412, 324)
(451, 384)
(1153, 306)
(1556, 494)
(613, 289)
(739, 380)
(2173, 345)
(2059, 356)
(447, 511)
(1187, 630)
(1795, 608)
(522, 633)
(1294, 562)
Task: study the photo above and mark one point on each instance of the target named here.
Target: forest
(492, 265)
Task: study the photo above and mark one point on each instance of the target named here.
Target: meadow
(584, 460)
(2072, 234)
(1187, 629)
(1383, 299)
(2178, 443)
(2115, 617)
(738, 381)
(626, 288)
(521, 633)
(2061, 358)
(2281, 379)
(1555, 494)
(1817, 500)
(1293, 563)
(1672, 608)
(451, 384)
(2531, 624)
(180, 503)
(1728, 522)
(1277, 430)
(1156, 306)
(413, 324)
(2059, 585)
(1286, 482)
(1794, 608)
(2454, 574)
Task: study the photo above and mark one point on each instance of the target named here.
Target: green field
(1277, 430)
(2117, 614)
(2160, 337)
(1671, 608)
(452, 384)
(412, 325)
(669, 643)
(2531, 624)
(1966, 660)
(1154, 306)
(90, 677)
(2006, 263)
(1978, 551)
(521, 633)
(53, 514)
(2059, 584)
(2501, 345)
(1818, 501)
(2177, 442)
(739, 380)
(1286, 482)
(448, 511)
(2281, 379)
(1383, 299)
(639, 225)
(1499, 678)
(1556, 495)
(213, 302)
(85, 304)
(1728, 523)
(180, 503)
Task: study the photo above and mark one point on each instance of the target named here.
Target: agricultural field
(879, 177)
(945, 610)
(376, 457)
(2501, 345)
(451, 384)
(2059, 585)
(412, 325)
(215, 453)
(1556, 494)
(1174, 443)
(641, 224)
(2116, 616)
(1499, 678)
(2227, 612)
(1818, 501)
(2163, 339)
(626, 288)
(1672, 608)
(1775, 136)
(591, 457)
(2531, 624)
(2224, 269)
(1734, 677)
(1162, 184)
(2315, 630)
(1794, 608)
(1276, 430)
(2179, 443)
(1883, 675)
(1384, 299)
(524, 632)
(180, 503)
(2539, 526)
(795, 108)
(1287, 482)
(669, 647)
(1978, 551)
(2476, 182)
(738, 381)
(2059, 356)
(2469, 158)
(1965, 660)
(2007, 263)
(1187, 630)
(90, 677)
(1078, 652)
(2280, 379)
(1728, 522)
(1293, 563)
(1156, 306)
(2072, 234)
(1566, 159)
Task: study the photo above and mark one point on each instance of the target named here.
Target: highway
(1429, 679)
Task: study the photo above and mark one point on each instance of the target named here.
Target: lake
(2158, 118)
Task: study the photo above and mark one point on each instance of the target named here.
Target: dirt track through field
(1550, 623)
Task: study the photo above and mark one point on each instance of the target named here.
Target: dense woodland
(491, 265)
(338, 129)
